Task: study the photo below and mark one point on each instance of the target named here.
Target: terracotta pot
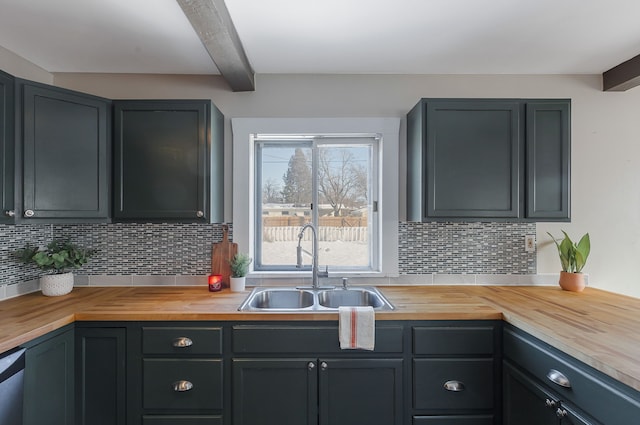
(572, 281)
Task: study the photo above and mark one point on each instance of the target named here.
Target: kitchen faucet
(316, 273)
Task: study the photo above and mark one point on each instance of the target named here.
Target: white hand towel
(357, 328)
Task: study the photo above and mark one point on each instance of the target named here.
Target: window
(327, 180)
(364, 149)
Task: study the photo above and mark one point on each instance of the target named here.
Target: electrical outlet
(530, 243)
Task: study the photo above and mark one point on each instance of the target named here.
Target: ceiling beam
(622, 77)
(212, 22)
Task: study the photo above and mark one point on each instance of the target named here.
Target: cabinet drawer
(159, 376)
(430, 377)
(306, 339)
(181, 340)
(453, 340)
(181, 420)
(453, 420)
(607, 400)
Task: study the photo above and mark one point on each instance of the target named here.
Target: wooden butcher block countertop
(597, 327)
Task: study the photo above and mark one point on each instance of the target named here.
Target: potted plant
(239, 266)
(573, 257)
(58, 259)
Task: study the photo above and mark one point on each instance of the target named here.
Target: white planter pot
(237, 284)
(53, 285)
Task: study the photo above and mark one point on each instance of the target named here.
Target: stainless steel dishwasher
(11, 387)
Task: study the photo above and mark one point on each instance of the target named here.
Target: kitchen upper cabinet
(168, 162)
(548, 160)
(7, 151)
(49, 379)
(469, 159)
(65, 154)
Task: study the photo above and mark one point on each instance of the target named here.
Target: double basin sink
(288, 299)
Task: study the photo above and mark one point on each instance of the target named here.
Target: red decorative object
(215, 282)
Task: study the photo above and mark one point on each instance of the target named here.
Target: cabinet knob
(182, 342)
(182, 386)
(455, 386)
(324, 366)
(311, 365)
(552, 404)
(29, 213)
(199, 214)
(558, 378)
(10, 213)
(561, 413)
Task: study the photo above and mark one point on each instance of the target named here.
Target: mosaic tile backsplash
(185, 249)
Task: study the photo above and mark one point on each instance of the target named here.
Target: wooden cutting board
(221, 254)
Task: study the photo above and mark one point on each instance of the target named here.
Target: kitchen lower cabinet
(49, 379)
(66, 145)
(296, 373)
(360, 391)
(528, 403)
(317, 391)
(179, 373)
(275, 391)
(558, 389)
(7, 149)
(168, 161)
(456, 373)
(101, 388)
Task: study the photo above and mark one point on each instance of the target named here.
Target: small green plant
(240, 265)
(60, 255)
(573, 256)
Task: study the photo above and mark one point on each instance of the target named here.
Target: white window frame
(244, 208)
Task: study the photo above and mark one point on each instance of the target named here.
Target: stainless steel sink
(353, 297)
(315, 300)
(281, 299)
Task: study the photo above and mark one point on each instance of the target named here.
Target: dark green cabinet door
(168, 161)
(100, 383)
(275, 391)
(472, 158)
(49, 381)
(7, 152)
(477, 159)
(525, 402)
(548, 160)
(360, 392)
(65, 154)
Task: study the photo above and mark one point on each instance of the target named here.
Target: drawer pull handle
(182, 386)
(558, 378)
(561, 413)
(455, 386)
(552, 404)
(182, 342)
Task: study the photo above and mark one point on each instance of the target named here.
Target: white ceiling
(330, 36)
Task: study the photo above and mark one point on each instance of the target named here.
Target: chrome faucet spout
(314, 272)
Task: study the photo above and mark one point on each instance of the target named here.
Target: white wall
(605, 138)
